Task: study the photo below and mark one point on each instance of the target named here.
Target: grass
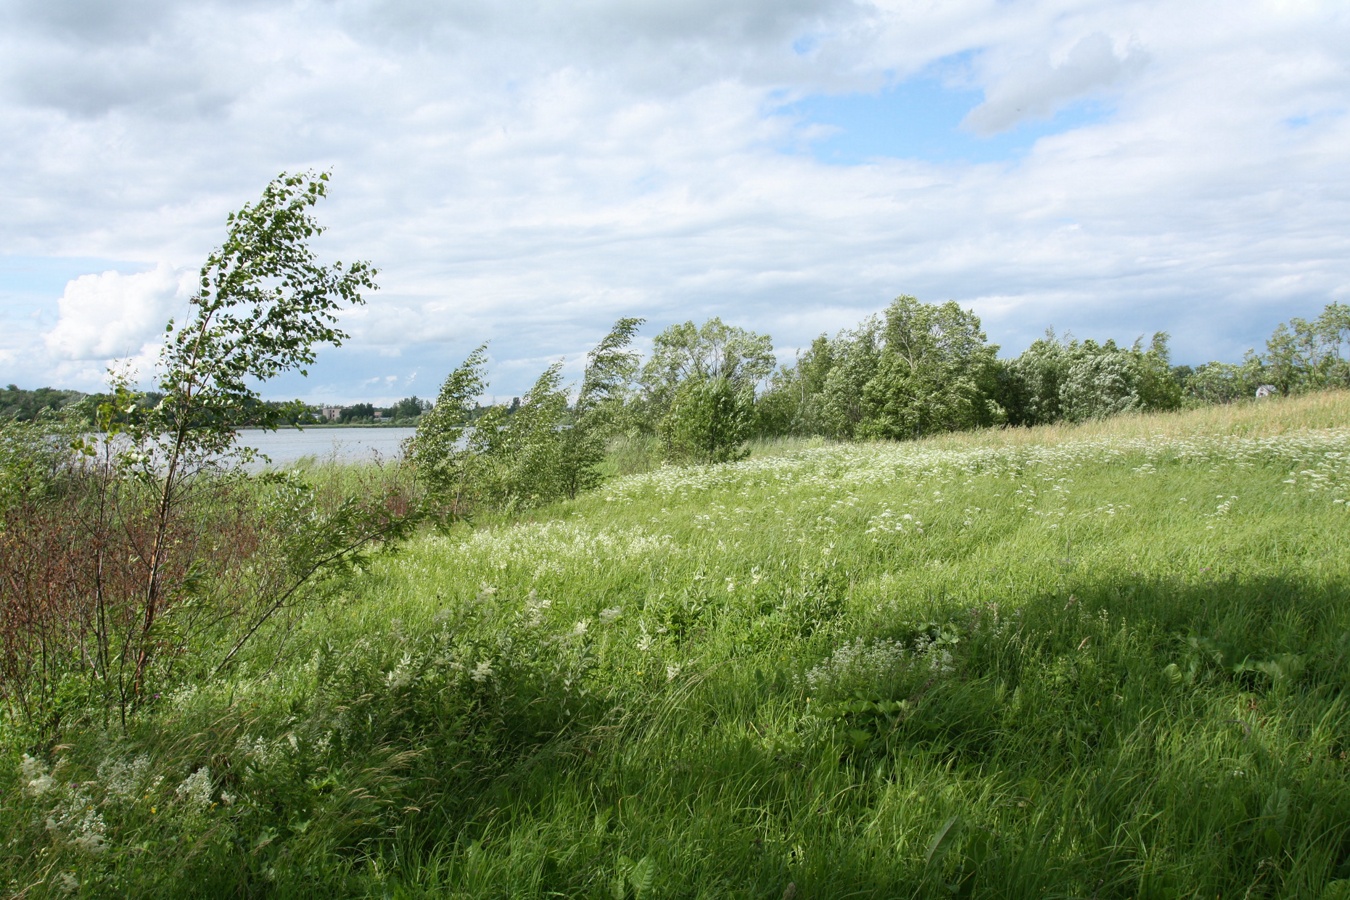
(1105, 661)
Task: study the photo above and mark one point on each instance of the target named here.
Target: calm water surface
(286, 445)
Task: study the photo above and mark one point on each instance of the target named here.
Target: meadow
(1103, 661)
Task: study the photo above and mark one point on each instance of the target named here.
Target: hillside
(1097, 661)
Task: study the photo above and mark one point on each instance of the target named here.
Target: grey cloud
(598, 21)
(650, 45)
(1034, 88)
(89, 21)
(93, 84)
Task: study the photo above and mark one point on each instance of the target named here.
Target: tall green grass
(1105, 661)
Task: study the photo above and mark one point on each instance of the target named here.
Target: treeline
(920, 369)
(24, 406)
(404, 411)
(17, 404)
(914, 370)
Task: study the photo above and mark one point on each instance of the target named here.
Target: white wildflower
(610, 614)
(124, 777)
(482, 672)
(195, 790)
(534, 609)
(673, 671)
(581, 627)
(36, 780)
(90, 839)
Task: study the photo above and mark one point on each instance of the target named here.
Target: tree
(1033, 397)
(685, 353)
(357, 412)
(1220, 382)
(855, 356)
(1061, 378)
(794, 400)
(935, 373)
(1157, 386)
(1100, 381)
(600, 407)
(523, 455)
(439, 450)
(1304, 356)
(408, 408)
(709, 420)
(263, 302)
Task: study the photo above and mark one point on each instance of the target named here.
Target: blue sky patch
(46, 276)
(920, 119)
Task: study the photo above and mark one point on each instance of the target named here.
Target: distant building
(331, 413)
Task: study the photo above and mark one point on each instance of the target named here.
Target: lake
(286, 445)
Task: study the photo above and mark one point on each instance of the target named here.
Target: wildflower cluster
(870, 666)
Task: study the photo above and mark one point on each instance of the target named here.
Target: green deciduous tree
(935, 373)
(439, 450)
(855, 356)
(524, 455)
(1305, 355)
(713, 350)
(157, 530)
(263, 302)
(1221, 382)
(709, 421)
(601, 409)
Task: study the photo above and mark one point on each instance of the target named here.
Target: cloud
(89, 21)
(114, 315)
(1036, 88)
(527, 172)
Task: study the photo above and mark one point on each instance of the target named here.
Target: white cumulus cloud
(113, 315)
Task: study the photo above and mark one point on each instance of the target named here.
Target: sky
(525, 173)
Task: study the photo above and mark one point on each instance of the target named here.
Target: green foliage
(853, 360)
(1035, 379)
(932, 374)
(794, 403)
(357, 412)
(1098, 383)
(439, 450)
(1219, 382)
(709, 421)
(155, 539)
(688, 353)
(409, 408)
(537, 450)
(1068, 380)
(263, 302)
(522, 459)
(1306, 356)
(602, 410)
(25, 406)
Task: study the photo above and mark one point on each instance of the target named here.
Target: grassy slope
(1106, 661)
